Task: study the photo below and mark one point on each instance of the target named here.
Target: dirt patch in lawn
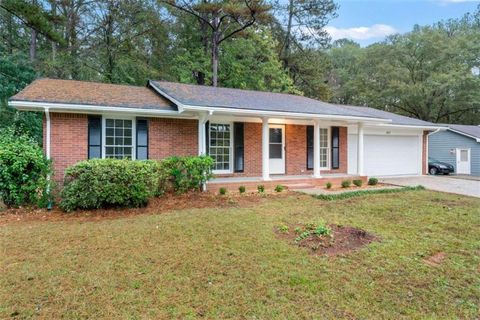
(342, 240)
(167, 203)
(436, 259)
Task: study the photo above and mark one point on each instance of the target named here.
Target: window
(118, 138)
(276, 144)
(324, 148)
(220, 146)
(464, 155)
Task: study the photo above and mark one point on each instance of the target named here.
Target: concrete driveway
(439, 183)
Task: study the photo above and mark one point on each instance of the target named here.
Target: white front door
(277, 148)
(463, 161)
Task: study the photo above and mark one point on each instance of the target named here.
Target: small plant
(241, 189)
(261, 188)
(222, 191)
(372, 181)
(279, 188)
(346, 183)
(283, 229)
(328, 185)
(312, 229)
(358, 182)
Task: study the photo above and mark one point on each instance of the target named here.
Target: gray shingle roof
(473, 131)
(396, 118)
(205, 96)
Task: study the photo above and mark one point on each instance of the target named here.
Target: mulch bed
(341, 241)
(355, 188)
(167, 203)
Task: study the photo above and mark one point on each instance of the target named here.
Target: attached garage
(387, 153)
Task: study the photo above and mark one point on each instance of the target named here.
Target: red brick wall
(296, 149)
(172, 137)
(68, 140)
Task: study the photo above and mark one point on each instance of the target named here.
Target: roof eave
(83, 108)
(465, 134)
(426, 127)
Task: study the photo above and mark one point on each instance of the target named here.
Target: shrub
(312, 229)
(328, 185)
(222, 191)
(241, 189)
(261, 188)
(185, 173)
(103, 183)
(23, 171)
(372, 181)
(346, 183)
(279, 188)
(283, 229)
(358, 182)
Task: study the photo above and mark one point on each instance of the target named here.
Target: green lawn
(228, 263)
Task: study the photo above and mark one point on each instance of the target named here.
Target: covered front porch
(304, 150)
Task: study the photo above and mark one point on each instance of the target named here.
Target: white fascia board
(412, 126)
(81, 108)
(281, 114)
(464, 134)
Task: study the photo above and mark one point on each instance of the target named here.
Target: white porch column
(360, 149)
(265, 150)
(202, 148)
(316, 149)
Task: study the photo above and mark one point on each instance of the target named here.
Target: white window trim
(134, 132)
(329, 147)
(230, 147)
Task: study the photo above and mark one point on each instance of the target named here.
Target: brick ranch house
(252, 135)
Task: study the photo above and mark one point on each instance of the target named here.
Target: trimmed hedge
(23, 171)
(105, 183)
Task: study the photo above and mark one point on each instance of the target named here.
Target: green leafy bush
(328, 185)
(279, 188)
(186, 173)
(346, 183)
(103, 183)
(241, 189)
(372, 181)
(261, 188)
(222, 191)
(358, 182)
(23, 171)
(283, 229)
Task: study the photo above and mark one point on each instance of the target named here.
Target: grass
(358, 193)
(228, 263)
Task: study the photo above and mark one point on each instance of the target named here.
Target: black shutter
(309, 147)
(94, 137)
(238, 149)
(335, 147)
(142, 139)
(207, 137)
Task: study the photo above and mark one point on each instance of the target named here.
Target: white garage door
(386, 155)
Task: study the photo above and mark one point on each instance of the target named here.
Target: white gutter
(262, 113)
(37, 106)
(413, 126)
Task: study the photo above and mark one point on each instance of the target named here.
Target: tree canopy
(430, 73)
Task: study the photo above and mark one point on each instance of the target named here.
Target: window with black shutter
(335, 147)
(238, 142)
(94, 137)
(142, 139)
(309, 147)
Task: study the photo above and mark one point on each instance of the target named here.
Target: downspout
(47, 153)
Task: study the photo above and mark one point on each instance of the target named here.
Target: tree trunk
(33, 46)
(215, 44)
(286, 50)
(54, 46)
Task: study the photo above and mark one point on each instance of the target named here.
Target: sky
(369, 21)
